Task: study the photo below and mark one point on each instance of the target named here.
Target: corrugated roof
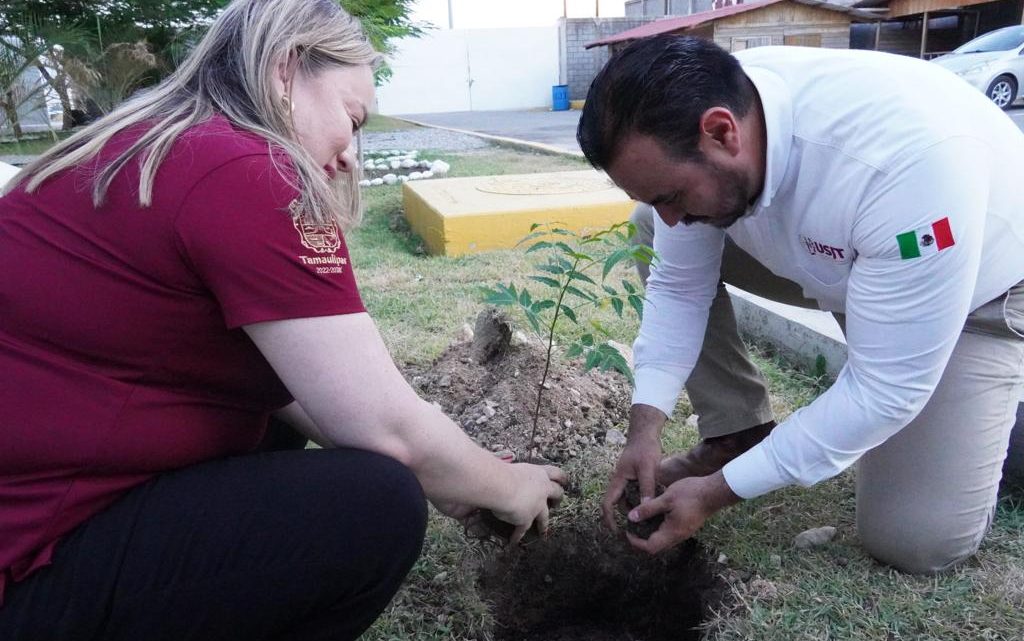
(670, 25)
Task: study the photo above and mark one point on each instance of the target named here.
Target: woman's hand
(537, 490)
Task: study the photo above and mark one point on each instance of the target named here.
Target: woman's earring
(287, 103)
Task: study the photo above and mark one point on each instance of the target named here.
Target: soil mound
(494, 401)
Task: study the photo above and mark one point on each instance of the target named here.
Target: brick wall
(581, 65)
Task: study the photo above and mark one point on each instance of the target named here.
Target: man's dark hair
(660, 87)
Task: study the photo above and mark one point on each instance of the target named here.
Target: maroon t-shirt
(121, 353)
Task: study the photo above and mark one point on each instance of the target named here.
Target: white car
(993, 63)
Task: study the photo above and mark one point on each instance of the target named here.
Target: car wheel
(1003, 91)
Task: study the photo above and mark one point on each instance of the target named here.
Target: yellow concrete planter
(458, 216)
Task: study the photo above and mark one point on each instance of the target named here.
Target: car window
(999, 40)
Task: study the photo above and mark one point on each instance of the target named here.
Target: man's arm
(903, 318)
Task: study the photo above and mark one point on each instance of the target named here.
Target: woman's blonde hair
(230, 72)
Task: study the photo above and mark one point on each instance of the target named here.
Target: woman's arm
(342, 376)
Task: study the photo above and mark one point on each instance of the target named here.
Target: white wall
(472, 70)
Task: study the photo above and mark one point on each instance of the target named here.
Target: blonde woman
(171, 276)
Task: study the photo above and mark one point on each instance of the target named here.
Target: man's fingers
(649, 509)
(648, 483)
(655, 544)
(611, 498)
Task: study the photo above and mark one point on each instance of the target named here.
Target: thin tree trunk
(11, 111)
(59, 83)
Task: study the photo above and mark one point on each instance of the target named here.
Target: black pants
(304, 544)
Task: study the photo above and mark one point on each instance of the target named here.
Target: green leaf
(577, 275)
(571, 315)
(568, 251)
(543, 244)
(524, 298)
(541, 305)
(534, 321)
(618, 305)
(550, 282)
(580, 256)
(561, 232)
(611, 291)
(587, 340)
(593, 360)
(534, 226)
(628, 286)
(637, 304)
(498, 296)
(552, 268)
(599, 327)
(563, 263)
(614, 259)
(587, 296)
(574, 350)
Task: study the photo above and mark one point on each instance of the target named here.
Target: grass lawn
(30, 146)
(832, 592)
(377, 122)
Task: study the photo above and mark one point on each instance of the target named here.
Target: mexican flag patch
(925, 241)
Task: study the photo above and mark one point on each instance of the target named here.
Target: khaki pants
(925, 497)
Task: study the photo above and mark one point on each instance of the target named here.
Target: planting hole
(585, 585)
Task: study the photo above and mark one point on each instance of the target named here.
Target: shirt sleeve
(262, 260)
(904, 316)
(679, 294)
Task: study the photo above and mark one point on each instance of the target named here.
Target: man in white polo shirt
(878, 187)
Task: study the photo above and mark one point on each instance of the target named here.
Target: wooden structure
(930, 28)
(808, 23)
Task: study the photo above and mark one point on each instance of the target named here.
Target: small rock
(521, 338)
(377, 182)
(445, 381)
(723, 559)
(567, 424)
(389, 179)
(364, 183)
(764, 589)
(775, 561)
(482, 419)
(408, 164)
(744, 575)
(489, 411)
(427, 174)
(814, 537)
(548, 579)
(574, 452)
(403, 179)
(842, 561)
(466, 333)
(691, 421)
(395, 164)
(515, 374)
(440, 577)
(415, 175)
(546, 385)
(615, 437)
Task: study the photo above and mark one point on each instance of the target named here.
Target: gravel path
(422, 138)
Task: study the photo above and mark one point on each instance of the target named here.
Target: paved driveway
(555, 128)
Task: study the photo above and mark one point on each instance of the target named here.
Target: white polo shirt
(894, 192)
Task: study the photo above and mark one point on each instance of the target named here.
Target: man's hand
(638, 461)
(686, 504)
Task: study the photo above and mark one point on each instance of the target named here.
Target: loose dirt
(494, 401)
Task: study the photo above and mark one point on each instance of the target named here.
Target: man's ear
(720, 132)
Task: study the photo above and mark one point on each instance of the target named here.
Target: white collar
(777, 107)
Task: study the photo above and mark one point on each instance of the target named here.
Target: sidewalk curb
(504, 141)
(787, 328)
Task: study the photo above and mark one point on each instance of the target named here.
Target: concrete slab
(554, 129)
(459, 216)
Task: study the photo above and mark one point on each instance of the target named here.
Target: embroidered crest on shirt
(321, 238)
(818, 248)
(925, 241)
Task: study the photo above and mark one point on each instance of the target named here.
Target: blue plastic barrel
(560, 98)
